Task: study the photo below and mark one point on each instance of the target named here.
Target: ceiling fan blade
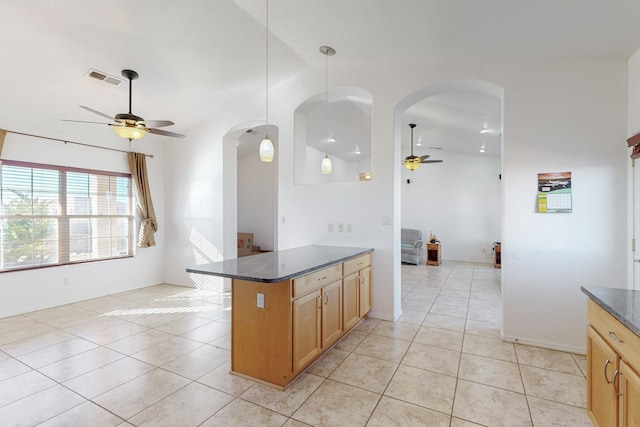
(157, 123)
(84, 121)
(106, 116)
(165, 133)
(425, 157)
(431, 161)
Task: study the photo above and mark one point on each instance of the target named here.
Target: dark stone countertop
(622, 304)
(272, 267)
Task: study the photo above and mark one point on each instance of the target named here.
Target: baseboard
(380, 316)
(549, 346)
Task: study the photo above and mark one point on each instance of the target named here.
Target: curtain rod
(73, 142)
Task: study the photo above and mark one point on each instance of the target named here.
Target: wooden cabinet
(356, 290)
(331, 313)
(613, 359)
(630, 398)
(317, 323)
(350, 301)
(602, 365)
(278, 329)
(306, 329)
(317, 313)
(365, 291)
(433, 254)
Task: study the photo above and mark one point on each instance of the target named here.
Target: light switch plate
(260, 300)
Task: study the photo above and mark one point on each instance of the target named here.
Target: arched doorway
(459, 200)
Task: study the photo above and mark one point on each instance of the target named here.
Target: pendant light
(266, 146)
(326, 161)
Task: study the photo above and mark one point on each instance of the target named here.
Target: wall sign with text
(554, 192)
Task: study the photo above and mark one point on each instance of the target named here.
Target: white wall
(562, 117)
(459, 200)
(558, 116)
(24, 291)
(256, 199)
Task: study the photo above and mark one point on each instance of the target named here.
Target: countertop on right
(622, 304)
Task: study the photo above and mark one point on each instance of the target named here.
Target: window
(52, 215)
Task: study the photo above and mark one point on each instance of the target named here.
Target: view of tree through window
(52, 215)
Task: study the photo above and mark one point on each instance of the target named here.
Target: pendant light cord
(267, 70)
(326, 102)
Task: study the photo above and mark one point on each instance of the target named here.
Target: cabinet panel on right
(613, 383)
(602, 364)
(356, 290)
(630, 399)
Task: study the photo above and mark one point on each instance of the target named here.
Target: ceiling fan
(128, 125)
(412, 162)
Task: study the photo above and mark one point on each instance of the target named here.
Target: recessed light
(331, 140)
(482, 150)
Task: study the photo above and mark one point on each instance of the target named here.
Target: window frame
(64, 218)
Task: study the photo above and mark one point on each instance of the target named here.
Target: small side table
(433, 254)
(497, 255)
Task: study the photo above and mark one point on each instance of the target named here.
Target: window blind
(53, 215)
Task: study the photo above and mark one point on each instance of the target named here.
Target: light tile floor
(160, 356)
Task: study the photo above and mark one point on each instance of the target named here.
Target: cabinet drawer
(618, 336)
(356, 264)
(313, 281)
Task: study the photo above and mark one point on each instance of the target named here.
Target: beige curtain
(3, 134)
(148, 225)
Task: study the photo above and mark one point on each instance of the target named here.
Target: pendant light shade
(327, 51)
(326, 165)
(266, 146)
(266, 150)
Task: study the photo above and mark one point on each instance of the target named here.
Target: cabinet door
(331, 313)
(306, 329)
(350, 295)
(365, 291)
(630, 399)
(602, 364)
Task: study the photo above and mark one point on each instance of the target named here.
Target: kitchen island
(613, 356)
(290, 306)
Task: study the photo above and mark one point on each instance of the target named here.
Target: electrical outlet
(260, 300)
(66, 281)
(340, 228)
(386, 220)
(330, 227)
(349, 228)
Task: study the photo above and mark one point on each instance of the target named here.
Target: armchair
(411, 245)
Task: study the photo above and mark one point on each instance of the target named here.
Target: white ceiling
(197, 57)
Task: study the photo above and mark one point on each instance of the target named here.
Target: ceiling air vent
(99, 75)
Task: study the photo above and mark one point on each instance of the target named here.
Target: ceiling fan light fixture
(412, 163)
(266, 150)
(326, 165)
(129, 132)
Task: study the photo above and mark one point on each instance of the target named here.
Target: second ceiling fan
(413, 162)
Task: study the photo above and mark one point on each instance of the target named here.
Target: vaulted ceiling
(197, 57)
